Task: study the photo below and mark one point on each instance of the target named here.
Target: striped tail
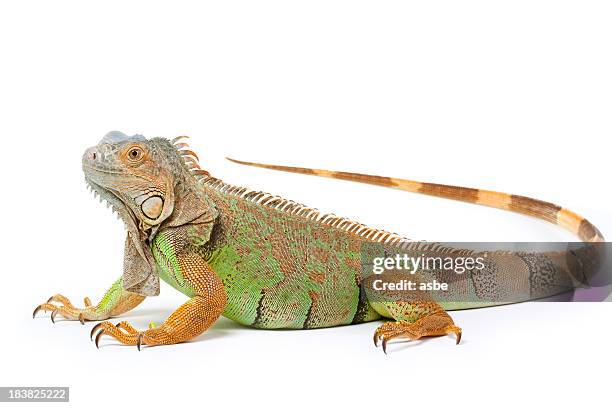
(552, 213)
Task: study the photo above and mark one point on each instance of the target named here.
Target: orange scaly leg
(188, 321)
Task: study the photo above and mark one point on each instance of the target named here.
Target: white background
(512, 96)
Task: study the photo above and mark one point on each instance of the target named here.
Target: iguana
(264, 261)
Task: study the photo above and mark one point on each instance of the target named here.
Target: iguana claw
(93, 329)
(36, 311)
(139, 341)
(384, 345)
(98, 338)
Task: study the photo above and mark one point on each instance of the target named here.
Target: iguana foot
(68, 311)
(432, 325)
(126, 334)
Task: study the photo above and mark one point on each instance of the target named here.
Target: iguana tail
(552, 213)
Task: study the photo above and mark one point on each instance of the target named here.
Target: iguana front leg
(115, 301)
(189, 320)
(413, 320)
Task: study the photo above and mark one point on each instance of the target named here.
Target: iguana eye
(135, 154)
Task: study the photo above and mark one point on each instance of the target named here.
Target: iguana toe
(68, 311)
(126, 334)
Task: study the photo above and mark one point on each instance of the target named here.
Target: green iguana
(265, 261)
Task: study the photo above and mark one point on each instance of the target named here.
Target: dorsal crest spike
(189, 158)
(178, 138)
(191, 161)
(189, 153)
(299, 210)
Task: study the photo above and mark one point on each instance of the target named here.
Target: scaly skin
(263, 261)
(115, 302)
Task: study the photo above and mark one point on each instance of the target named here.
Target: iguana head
(134, 175)
(149, 184)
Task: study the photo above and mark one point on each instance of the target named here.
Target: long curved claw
(53, 314)
(44, 307)
(96, 327)
(391, 335)
(139, 341)
(384, 331)
(102, 331)
(81, 318)
(38, 309)
(98, 336)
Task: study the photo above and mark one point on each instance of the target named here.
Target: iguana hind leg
(413, 320)
(115, 301)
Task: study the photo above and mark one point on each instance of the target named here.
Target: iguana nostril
(91, 154)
